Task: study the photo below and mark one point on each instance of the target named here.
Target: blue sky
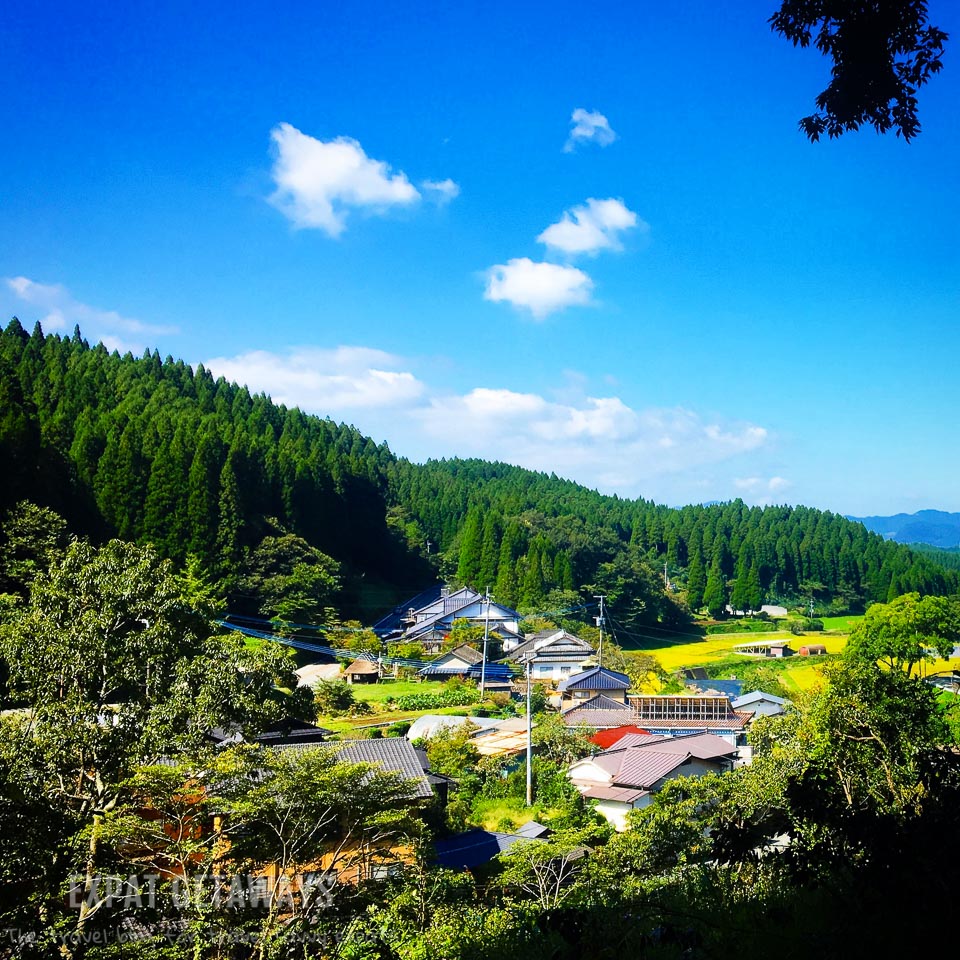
(581, 238)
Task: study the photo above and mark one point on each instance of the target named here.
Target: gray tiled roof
(392, 754)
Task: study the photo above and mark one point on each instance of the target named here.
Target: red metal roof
(607, 738)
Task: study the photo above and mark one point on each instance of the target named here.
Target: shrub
(333, 697)
(463, 697)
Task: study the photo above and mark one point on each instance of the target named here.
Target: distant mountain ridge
(936, 527)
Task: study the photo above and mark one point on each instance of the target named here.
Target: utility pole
(599, 620)
(529, 744)
(486, 635)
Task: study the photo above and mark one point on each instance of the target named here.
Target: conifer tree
(490, 550)
(471, 545)
(696, 582)
(715, 592)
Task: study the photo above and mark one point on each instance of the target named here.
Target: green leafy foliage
(290, 515)
(881, 52)
(460, 697)
(906, 631)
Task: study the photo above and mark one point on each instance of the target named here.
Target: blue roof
(495, 672)
(732, 688)
(391, 621)
(597, 678)
(477, 847)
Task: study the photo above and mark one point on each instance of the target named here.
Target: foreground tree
(116, 671)
(905, 632)
(882, 52)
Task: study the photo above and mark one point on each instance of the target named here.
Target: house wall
(556, 670)
(764, 708)
(587, 772)
(695, 768)
(574, 695)
(616, 812)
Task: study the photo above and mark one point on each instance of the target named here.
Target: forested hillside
(296, 516)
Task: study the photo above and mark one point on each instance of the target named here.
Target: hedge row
(431, 701)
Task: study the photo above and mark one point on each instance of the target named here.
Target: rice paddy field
(796, 674)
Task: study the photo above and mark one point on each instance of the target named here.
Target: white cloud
(323, 381)
(442, 191)
(588, 127)
(599, 441)
(541, 288)
(61, 311)
(318, 182)
(591, 227)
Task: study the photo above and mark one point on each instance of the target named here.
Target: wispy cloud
(591, 227)
(600, 441)
(319, 182)
(588, 127)
(541, 288)
(324, 381)
(441, 191)
(761, 490)
(61, 311)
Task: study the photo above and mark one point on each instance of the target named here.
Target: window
(383, 871)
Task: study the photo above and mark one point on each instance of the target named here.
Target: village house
(474, 849)
(677, 714)
(363, 671)
(490, 737)
(552, 655)
(589, 683)
(428, 617)
(625, 776)
(599, 712)
(349, 861)
(761, 704)
(466, 661)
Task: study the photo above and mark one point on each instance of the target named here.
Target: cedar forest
(295, 516)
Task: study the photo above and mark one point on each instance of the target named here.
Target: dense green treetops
(296, 517)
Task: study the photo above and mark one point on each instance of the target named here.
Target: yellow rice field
(800, 673)
(674, 656)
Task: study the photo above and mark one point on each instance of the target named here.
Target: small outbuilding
(362, 671)
(812, 650)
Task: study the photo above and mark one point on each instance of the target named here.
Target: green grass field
(493, 814)
(843, 624)
(378, 692)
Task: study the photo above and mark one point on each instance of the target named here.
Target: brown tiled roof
(618, 794)
(703, 746)
(597, 719)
